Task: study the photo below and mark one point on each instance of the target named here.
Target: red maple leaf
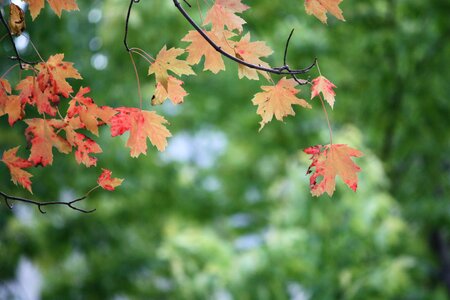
(53, 74)
(15, 165)
(108, 183)
(330, 161)
(84, 145)
(142, 125)
(324, 86)
(42, 137)
(45, 90)
(91, 115)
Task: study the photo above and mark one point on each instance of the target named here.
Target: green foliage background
(226, 212)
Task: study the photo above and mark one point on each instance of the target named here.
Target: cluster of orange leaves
(73, 131)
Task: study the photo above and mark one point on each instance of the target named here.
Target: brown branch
(8, 198)
(283, 70)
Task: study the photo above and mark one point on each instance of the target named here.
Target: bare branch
(125, 41)
(8, 198)
(283, 70)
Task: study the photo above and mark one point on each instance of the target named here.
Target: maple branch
(7, 198)
(126, 24)
(11, 38)
(283, 70)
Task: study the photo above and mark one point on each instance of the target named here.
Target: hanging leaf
(15, 165)
(330, 161)
(319, 9)
(165, 61)
(108, 183)
(42, 137)
(324, 86)
(277, 100)
(142, 125)
(57, 6)
(16, 20)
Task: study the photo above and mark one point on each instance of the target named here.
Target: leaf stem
(327, 118)
(137, 78)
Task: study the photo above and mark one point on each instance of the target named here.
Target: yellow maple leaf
(277, 100)
(165, 61)
(319, 8)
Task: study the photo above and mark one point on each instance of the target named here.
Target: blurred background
(225, 212)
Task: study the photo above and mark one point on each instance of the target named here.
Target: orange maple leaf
(10, 105)
(141, 124)
(42, 137)
(58, 6)
(199, 47)
(251, 52)
(45, 90)
(319, 8)
(54, 73)
(330, 161)
(45, 101)
(165, 61)
(174, 92)
(84, 145)
(90, 114)
(277, 100)
(108, 183)
(324, 86)
(15, 165)
(223, 14)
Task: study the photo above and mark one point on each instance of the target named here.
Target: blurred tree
(225, 213)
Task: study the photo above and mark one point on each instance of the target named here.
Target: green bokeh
(226, 212)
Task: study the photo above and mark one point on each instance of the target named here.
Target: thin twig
(286, 47)
(8, 198)
(283, 70)
(126, 24)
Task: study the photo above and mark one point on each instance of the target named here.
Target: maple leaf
(174, 92)
(45, 101)
(58, 6)
(319, 9)
(90, 114)
(10, 104)
(15, 165)
(108, 183)
(84, 145)
(42, 137)
(330, 161)
(54, 73)
(199, 47)
(251, 53)
(324, 86)
(43, 91)
(16, 19)
(277, 100)
(141, 124)
(165, 61)
(223, 14)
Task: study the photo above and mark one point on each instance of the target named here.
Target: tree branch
(21, 61)
(283, 70)
(125, 41)
(7, 198)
